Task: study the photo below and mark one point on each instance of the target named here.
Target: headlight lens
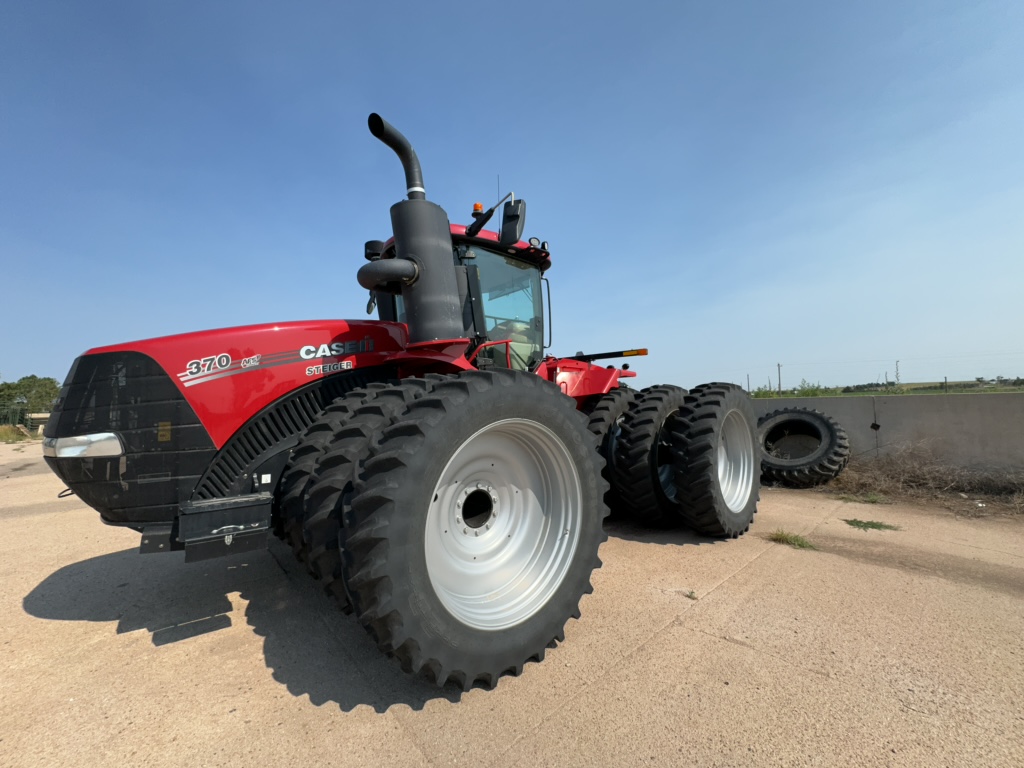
(84, 446)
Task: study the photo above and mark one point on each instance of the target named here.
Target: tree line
(32, 394)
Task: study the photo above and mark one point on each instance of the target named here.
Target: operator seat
(521, 348)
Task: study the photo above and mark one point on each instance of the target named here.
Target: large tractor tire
(300, 472)
(474, 527)
(801, 447)
(605, 414)
(335, 472)
(643, 460)
(717, 468)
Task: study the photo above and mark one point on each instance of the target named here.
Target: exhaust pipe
(378, 275)
(390, 135)
(428, 286)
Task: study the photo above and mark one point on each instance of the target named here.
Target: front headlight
(83, 446)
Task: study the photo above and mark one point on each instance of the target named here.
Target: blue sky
(832, 186)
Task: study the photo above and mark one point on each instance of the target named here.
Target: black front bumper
(124, 439)
(167, 479)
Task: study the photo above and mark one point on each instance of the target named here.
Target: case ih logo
(336, 349)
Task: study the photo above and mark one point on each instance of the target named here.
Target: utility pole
(748, 382)
(780, 378)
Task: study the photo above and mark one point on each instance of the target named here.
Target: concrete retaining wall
(978, 431)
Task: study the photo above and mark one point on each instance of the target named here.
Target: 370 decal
(320, 359)
(208, 364)
(204, 369)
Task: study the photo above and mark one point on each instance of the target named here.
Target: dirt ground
(902, 648)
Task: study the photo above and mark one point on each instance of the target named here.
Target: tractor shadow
(622, 528)
(309, 645)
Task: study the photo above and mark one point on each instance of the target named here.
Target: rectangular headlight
(83, 446)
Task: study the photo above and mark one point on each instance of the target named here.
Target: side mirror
(513, 221)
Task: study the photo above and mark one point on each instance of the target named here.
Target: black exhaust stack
(428, 284)
(387, 133)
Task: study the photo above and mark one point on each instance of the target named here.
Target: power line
(890, 359)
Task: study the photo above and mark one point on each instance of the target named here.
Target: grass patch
(10, 434)
(871, 525)
(791, 539)
(1016, 502)
(913, 474)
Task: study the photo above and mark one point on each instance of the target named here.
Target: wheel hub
(475, 508)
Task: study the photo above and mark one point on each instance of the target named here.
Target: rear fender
(581, 380)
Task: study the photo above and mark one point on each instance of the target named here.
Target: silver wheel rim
(503, 524)
(735, 461)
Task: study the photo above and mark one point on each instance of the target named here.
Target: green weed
(791, 539)
(871, 525)
(868, 497)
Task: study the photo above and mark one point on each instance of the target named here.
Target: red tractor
(444, 477)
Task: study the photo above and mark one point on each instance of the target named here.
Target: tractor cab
(512, 309)
(500, 293)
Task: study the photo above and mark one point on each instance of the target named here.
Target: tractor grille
(166, 447)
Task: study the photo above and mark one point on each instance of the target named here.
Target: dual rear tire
(717, 467)
(689, 458)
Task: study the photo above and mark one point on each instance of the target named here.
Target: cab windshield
(512, 305)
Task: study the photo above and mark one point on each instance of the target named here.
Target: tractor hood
(227, 375)
(142, 428)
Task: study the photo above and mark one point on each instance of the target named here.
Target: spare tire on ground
(801, 447)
